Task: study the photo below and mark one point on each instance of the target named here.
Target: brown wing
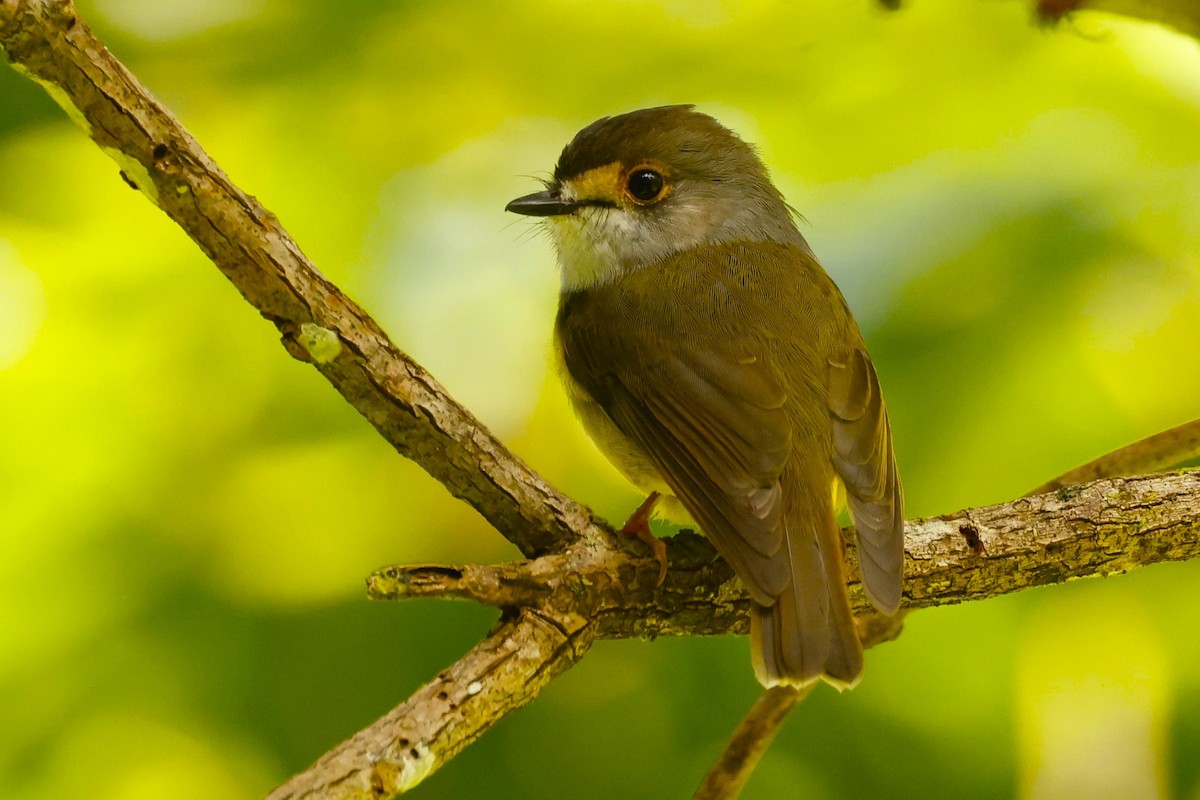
(712, 421)
(715, 429)
(863, 459)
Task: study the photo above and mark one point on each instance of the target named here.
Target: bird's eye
(645, 184)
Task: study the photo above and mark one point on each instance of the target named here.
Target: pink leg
(638, 526)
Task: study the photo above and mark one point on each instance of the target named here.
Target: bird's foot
(638, 526)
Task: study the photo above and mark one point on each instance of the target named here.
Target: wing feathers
(863, 459)
(727, 517)
(747, 449)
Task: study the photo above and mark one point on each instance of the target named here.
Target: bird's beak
(542, 204)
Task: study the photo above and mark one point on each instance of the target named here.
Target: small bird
(716, 364)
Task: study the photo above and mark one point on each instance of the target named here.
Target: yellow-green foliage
(187, 513)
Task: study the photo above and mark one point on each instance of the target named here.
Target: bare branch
(499, 675)
(737, 762)
(754, 734)
(47, 41)
(750, 740)
(1160, 451)
(1182, 15)
(761, 724)
(1104, 528)
(501, 586)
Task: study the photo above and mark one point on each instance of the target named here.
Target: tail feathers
(809, 632)
(781, 655)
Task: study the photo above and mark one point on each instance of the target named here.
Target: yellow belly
(628, 458)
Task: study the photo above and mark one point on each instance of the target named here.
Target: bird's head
(633, 189)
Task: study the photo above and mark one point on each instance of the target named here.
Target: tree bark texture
(47, 41)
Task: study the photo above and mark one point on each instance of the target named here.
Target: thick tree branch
(1104, 528)
(47, 41)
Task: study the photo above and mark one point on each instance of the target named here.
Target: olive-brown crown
(694, 145)
(637, 188)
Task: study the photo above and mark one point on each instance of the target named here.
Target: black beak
(541, 204)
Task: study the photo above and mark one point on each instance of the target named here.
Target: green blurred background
(187, 514)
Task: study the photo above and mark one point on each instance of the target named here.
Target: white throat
(588, 249)
(596, 244)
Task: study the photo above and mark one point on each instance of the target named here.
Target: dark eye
(645, 184)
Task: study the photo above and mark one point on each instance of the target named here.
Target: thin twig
(750, 740)
(1161, 451)
(520, 583)
(1182, 15)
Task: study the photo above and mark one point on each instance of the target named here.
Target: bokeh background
(187, 514)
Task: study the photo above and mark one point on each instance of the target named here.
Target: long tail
(809, 633)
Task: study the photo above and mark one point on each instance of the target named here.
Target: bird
(716, 364)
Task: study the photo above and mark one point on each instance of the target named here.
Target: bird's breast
(629, 459)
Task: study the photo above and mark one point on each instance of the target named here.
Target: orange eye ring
(645, 184)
